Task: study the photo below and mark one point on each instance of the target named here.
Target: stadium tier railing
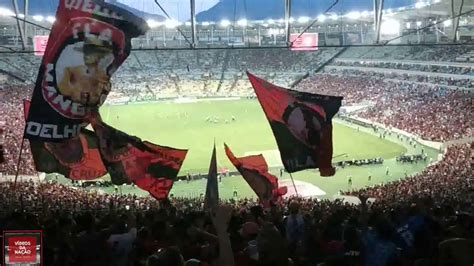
(400, 71)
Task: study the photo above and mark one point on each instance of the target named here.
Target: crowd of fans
(418, 66)
(412, 158)
(432, 112)
(11, 112)
(360, 162)
(425, 219)
(461, 82)
(419, 53)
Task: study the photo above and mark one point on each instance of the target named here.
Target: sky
(177, 9)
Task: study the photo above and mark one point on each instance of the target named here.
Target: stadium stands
(83, 228)
(421, 53)
(433, 106)
(11, 98)
(432, 112)
(414, 221)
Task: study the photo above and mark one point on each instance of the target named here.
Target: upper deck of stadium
(398, 26)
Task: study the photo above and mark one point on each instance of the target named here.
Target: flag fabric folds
(77, 158)
(211, 199)
(130, 160)
(301, 123)
(127, 159)
(254, 170)
(88, 42)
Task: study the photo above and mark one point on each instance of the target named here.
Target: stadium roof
(422, 9)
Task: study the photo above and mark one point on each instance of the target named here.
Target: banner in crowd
(211, 199)
(39, 43)
(130, 160)
(301, 123)
(306, 42)
(127, 159)
(77, 158)
(254, 170)
(88, 42)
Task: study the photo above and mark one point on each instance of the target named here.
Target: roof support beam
(193, 24)
(378, 22)
(20, 29)
(287, 21)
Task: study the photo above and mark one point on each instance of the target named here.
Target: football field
(243, 126)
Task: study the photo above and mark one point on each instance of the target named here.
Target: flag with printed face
(88, 42)
(301, 123)
(254, 170)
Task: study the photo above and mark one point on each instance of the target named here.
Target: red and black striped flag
(254, 170)
(301, 123)
(128, 159)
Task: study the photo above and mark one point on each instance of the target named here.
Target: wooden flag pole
(293, 181)
(19, 161)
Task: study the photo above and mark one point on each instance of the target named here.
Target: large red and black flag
(128, 159)
(77, 158)
(254, 170)
(301, 123)
(88, 42)
(211, 200)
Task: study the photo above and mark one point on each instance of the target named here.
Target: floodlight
(171, 23)
(353, 15)
(225, 23)
(418, 23)
(152, 23)
(50, 19)
(447, 23)
(242, 22)
(420, 4)
(38, 18)
(303, 19)
(6, 12)
(390, 27)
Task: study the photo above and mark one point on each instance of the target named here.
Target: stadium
(401, 144)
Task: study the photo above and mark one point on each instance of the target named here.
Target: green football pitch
(243, 126)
